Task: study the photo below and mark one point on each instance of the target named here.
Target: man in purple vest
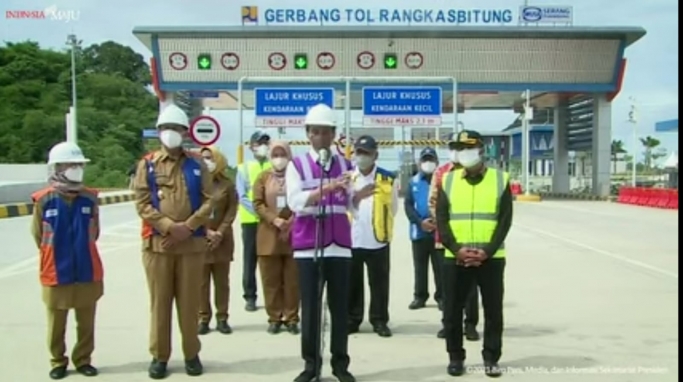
(303, 198)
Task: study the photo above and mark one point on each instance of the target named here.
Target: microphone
(324, 157)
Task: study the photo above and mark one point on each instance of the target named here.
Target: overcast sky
(652, 74)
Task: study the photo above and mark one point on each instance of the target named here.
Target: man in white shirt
(333, 264)
(374, 208)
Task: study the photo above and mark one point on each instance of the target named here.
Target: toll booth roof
(629, 34)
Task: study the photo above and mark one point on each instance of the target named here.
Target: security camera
(390, 43)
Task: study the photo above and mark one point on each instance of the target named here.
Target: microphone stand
(318, 259)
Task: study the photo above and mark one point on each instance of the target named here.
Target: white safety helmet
(66, 152)
(321, 115)
(173, 115)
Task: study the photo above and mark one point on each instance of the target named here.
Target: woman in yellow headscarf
(221, 244)
(275, 257)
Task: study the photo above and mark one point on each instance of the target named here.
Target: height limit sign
(205, 130)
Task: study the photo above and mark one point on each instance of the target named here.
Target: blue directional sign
(198, 94)
(279, 107)
(150, 133)
(402, 106)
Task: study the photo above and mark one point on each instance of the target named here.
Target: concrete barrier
(22, 209)
(19, 192)
(577, 196)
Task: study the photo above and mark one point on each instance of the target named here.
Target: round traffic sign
(365, 60)
(177, 60)
(230, 61)
(414, 60)
(326, 60)
(205, 130)
(277, 61)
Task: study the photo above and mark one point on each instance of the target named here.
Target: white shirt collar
(370, 175)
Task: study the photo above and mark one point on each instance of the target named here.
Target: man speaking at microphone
(304, 195)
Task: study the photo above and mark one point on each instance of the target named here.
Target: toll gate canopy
(572, 73)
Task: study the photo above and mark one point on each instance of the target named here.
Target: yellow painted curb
(23, 209)
(528, 198)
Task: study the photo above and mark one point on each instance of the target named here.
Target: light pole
(633, 119)
(526, 152)
(74, 43)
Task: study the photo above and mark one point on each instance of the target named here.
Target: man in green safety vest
(246, 176)
(473, 215)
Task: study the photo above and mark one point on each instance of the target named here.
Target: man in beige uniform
(173, 190)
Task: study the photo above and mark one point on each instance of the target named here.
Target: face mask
(363, 161)
(261, 151)
(279, 163)
(74, 174)
(211, 165)
(469, 158)
(428, 167)
(453, 156)
(171, 139)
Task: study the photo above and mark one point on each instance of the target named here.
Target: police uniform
(372, 227)
(173, 187)
(472, 306)
(474, 211)
(247, 174)
(65, 227)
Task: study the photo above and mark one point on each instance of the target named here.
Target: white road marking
(600, 251)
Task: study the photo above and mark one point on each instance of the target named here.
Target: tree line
(114, 105)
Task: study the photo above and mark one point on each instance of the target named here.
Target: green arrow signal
(204, 63)
(390, 62)
(300, 62)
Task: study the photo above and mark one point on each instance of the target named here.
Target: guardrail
(649, 197)
(576, 196)
(22, 209)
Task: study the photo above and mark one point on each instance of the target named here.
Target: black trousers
(378, 263)
(457, 286)
(424, 253)
(336, 274)
(249, 260)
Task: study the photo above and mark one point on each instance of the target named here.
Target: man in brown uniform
(221, 244)
(173, 191)
(275, 256)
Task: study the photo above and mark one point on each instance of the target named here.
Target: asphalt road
(591, 289)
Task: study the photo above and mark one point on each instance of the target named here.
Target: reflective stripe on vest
(192, 173)
(382, 218)
(250, 172)
(474, 209)
(68, 249)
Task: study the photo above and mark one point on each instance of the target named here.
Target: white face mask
(261, 151)
(428, 167)
(453, 156)
(469, 157)
(211, 165)
(171, 139)
(74, 174)
(363, 162)
(279, 163)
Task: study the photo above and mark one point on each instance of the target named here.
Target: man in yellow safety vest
(246, 177)
(474, 215)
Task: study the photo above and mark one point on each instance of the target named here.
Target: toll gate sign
(402, 106)
(283, 107)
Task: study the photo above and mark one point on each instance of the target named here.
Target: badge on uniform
(51, 213)
(281, 202)
(85, 210)
(197, 172)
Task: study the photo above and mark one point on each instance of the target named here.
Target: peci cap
(365, 142)
(428, 152)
